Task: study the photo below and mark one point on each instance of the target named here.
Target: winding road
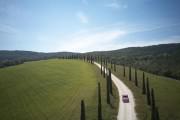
(126, 110)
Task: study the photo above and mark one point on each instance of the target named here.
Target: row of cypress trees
(145, 91)
(150, 95)
(150, 99)
(107, 73)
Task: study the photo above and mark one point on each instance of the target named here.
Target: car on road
(125, 98)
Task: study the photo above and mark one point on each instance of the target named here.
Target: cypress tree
(143, 87)
(106, 63)
(153, 108)
(130, 73)
(104, 72)
(91, 59)
(124, 71)
(153, 116)
(148, 92)
(157, 114)
(88, 58)
(99, 103)
(153, 105)
(111, 64)
(110, 81)
(101, 66)
(83, 116)
(114, 66)
(108, 90)
(136, 81)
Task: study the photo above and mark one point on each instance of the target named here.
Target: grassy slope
(51, 90)
(166, 94)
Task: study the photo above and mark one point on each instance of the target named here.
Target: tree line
(106, 73)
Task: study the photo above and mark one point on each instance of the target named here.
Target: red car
(125, 98)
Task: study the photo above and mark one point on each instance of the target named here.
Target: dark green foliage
(158, 59)
(104, 71)
(148, 92)
(124, 71)
(153, 114)
(101, 66)
(84, 58)
(99, 103)
(7, 63)
(108, 90)
(114, 67)
(153, 104)
(111, 64)
(91, 60)
(143, 86)
(130, 73)
(157, 114)
(106, 63)
(136, 81)
(83, 115)
(110, 81)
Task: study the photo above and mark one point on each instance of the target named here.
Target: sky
(87, 25)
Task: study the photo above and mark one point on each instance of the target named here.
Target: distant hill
(16, 55)
(8, 58)
(161, 59)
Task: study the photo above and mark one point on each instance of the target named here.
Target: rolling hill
(158, 59)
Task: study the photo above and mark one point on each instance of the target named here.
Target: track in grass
(51, 90)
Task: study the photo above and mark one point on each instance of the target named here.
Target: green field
(52, 90)
(167, 94)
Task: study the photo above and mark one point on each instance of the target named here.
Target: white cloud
(108, 37)
(116, 5)
(82, 17)
(100, 40)
(141, 42)
(113, 5)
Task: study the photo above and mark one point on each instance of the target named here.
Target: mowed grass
(52, 90)
(167, 94)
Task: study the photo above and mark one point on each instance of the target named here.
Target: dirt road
(126, 110)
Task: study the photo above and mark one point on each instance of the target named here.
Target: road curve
(126, 110)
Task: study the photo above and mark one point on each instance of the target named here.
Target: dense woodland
(159, 59)
(9, 58)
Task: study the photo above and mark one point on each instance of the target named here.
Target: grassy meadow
(166, 90)
(52, 90)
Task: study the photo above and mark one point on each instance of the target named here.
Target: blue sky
(87, 25)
